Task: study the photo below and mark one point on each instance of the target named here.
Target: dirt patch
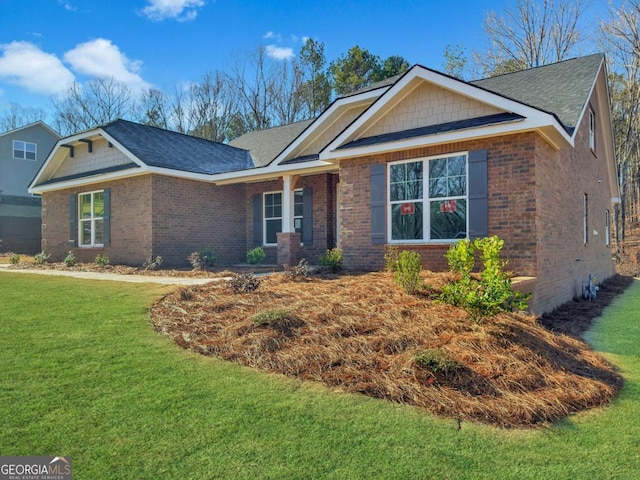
(360, 333)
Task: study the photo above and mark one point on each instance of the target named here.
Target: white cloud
(67, 6)
(270, 35)
(279, 53)
(25, 65)
(100, 58)
(181, 10)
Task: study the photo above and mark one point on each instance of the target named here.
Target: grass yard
(82, 373)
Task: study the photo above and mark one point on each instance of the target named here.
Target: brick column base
(289, 249)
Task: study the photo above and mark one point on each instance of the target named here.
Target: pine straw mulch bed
(128, 270)
(360, 333)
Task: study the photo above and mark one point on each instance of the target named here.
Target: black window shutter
(73, 220)
(106, 222)
(307, 216)
(378, 203)
(478, 194)
(257, 220)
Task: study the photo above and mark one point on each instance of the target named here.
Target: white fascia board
(448, 83)
(255, 174)
(320, 124)
(82, 181)
(96, 132)
(448, 137)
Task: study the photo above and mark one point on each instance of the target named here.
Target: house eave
(554, 135)
(87, 180)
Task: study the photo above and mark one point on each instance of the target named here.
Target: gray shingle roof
(434, 129)
(265, 145)
(162, 148)
(561, 88)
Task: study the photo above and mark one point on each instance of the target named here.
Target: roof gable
(562, 88)
(444, 100)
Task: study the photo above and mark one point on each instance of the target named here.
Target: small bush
(272, 317)
(297, 272)
(244, 283)
(436, 360)
(391, 255)
(491, 294)
(256, 256)
(407, 271)
(101, 260)
(14, 258)
(41, 258)
(204, 258)
(332, 259)
(152, 264)
(70, 260)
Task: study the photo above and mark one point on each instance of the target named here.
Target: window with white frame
(91, 219)
(24, 150)
(273, 215)
(592, 130)
(607, 228)
(428, 199)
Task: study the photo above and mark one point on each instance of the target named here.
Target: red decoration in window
(408, 209)
(448, 206)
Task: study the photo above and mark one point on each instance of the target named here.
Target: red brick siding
(155, 215)
(130, 222)
(511, 173)
(190, 215)
(562, 178)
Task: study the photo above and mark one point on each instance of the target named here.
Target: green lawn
(82, 373)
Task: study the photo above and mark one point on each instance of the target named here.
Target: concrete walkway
(115, 277)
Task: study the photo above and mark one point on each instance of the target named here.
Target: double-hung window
(428, 200)
(273, 215)
(91, 219)
(24, 150)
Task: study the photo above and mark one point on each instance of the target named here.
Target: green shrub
(14, 258)
(491, 294)
(436, 360)
(70, 259)
(332, 259)
(152, 264)
(244, 283)
(256, 256)
(204, 258)
(407, 271)
(101, 260)
(391, 258)
(272, 317)
(41, 258)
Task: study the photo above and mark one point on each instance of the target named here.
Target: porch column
(287, 205)
(289, 250)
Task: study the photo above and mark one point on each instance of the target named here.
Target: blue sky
(47, 44)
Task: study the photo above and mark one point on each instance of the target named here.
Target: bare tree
(100, 101)
(16, 116)
(531, 34)
(621, 38)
